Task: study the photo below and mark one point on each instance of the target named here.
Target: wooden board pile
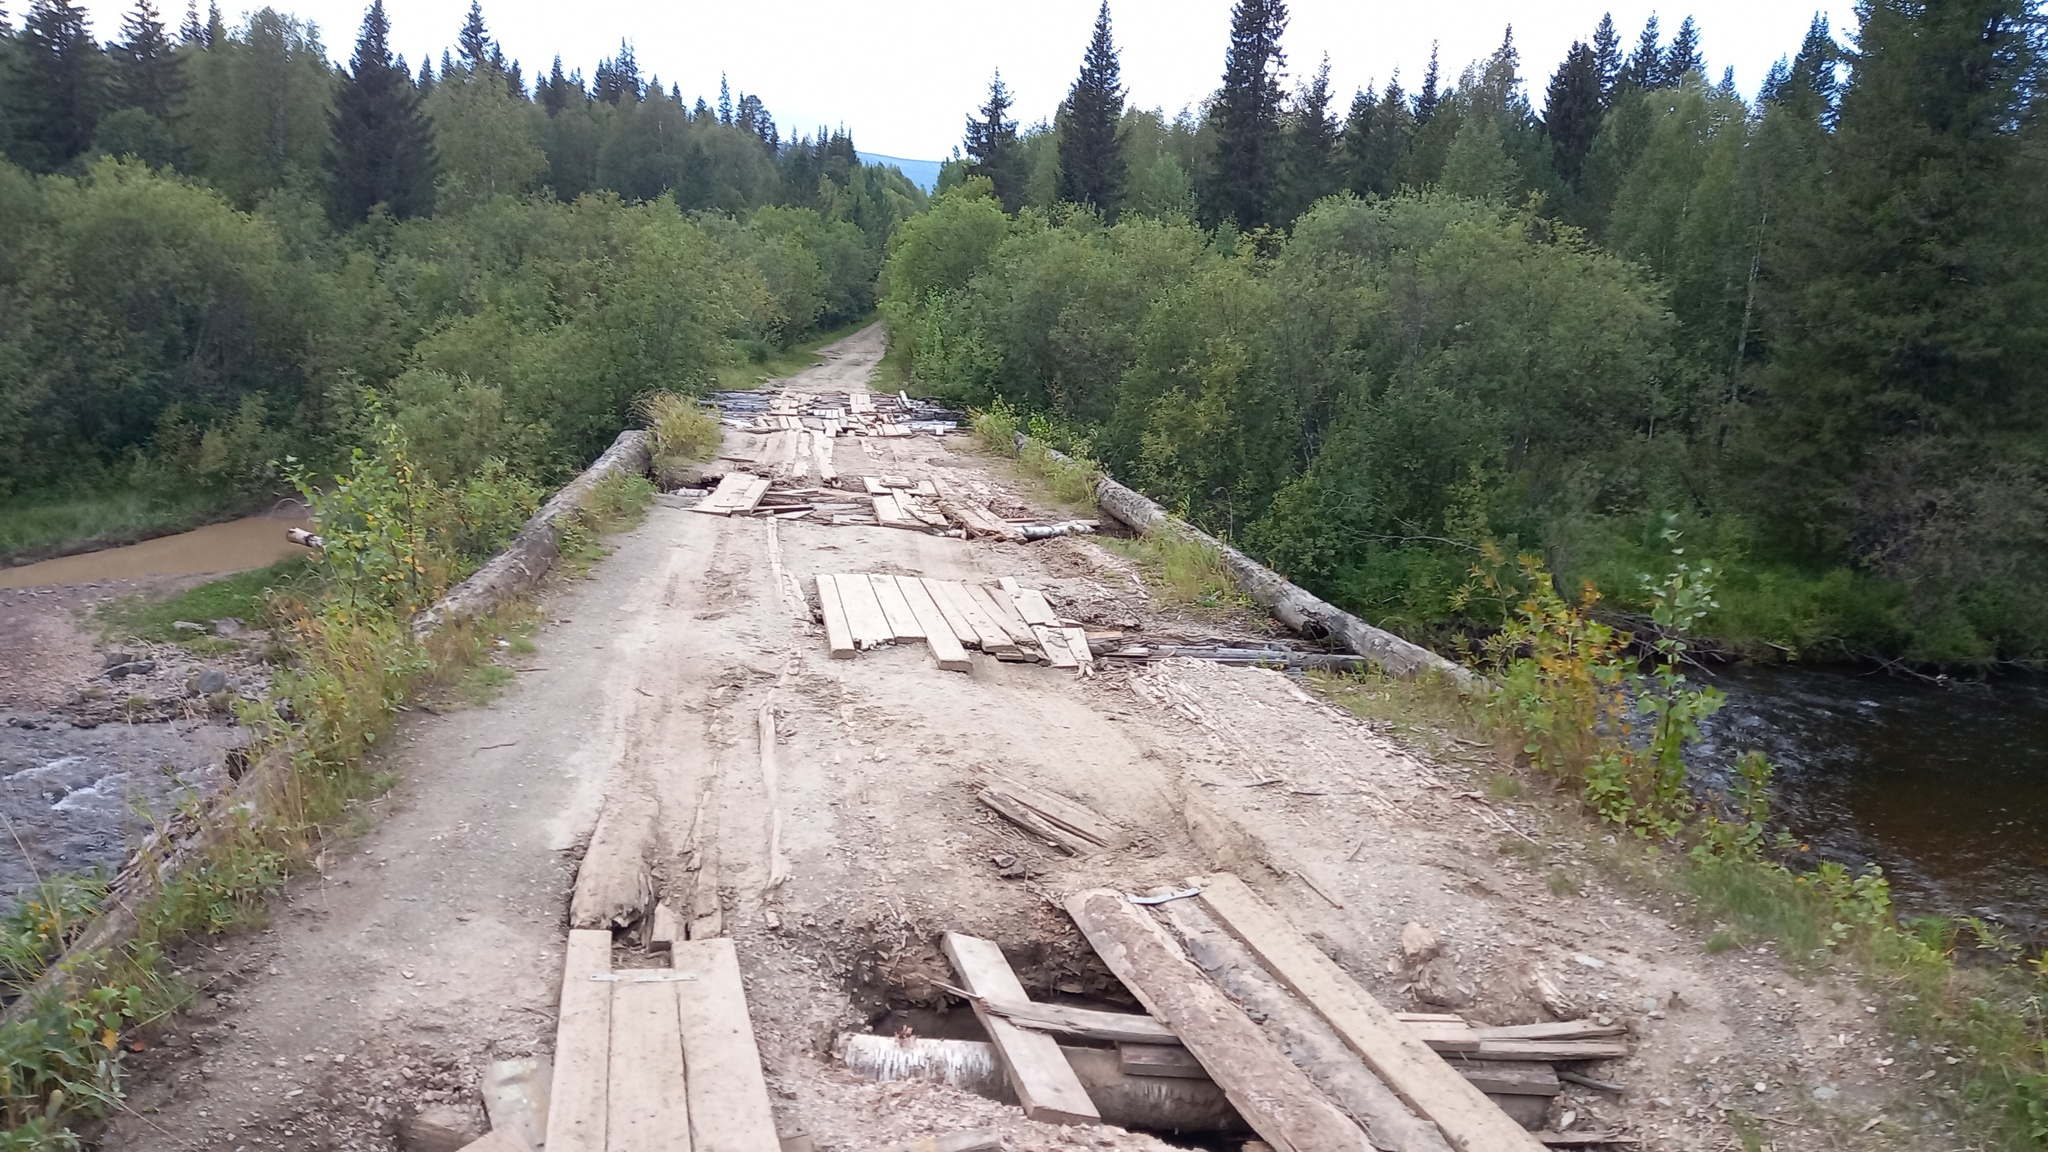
(656, 1059)
(860, 413)
(1310, 1060)
(1011, 623)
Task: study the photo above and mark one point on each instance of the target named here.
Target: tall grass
(682, 433)
(32, 523)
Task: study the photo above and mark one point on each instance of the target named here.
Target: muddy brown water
(236, 546)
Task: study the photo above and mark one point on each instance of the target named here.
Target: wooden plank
(1168, 1060)
(979, 521)
(1273, 1095)
(1470, 1121)
(1550, 1050)
(499, 1140)
(576, 1100)
(645, 1105)
(1068, 1020)
(1510, 1077)
(1077, 643)
(729, 1109)
(874, 486)
(903, 623)
(1034, 608)
(747, 500)
(1022, 816)
(889, 513)
(1558, 1030)
(1445, 1035)
(1043, 1080)
(1054, 644)
(838, 634)
(863, 612)
(1078, 817)
(822, 445)
(720, 502)
(938, 631)
(994, 639)
(1011, 624)
(963, 629)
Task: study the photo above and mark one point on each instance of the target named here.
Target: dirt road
(434, 943)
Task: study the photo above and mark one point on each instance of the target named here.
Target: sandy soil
(434, 944)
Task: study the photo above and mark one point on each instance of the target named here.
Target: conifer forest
(1565, 308)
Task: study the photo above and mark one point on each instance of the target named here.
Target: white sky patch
(904, 75)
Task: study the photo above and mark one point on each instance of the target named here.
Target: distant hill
(923, 173)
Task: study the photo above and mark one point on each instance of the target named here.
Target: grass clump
(1183, 568)
(682, 432)
(244, 596)
(34, 523)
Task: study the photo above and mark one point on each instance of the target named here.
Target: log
(1296, 1030)
(1292, 605)
(1044, 1082)
(1274, 1096)
(1417, 1075)
(614, 884)
(1156, 1103)
(1159, 1060)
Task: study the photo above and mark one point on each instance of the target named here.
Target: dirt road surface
(433, 944)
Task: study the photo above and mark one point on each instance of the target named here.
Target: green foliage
(681, 432)
(244, 596)
(43, 920)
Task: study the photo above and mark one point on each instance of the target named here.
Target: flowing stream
(1943, 785)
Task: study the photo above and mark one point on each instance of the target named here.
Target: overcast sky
(903, 75)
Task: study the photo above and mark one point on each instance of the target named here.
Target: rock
(187, 626)
(1588, 961)
(131, 668)
(1825, 1092)
(116, 658)
(441, 1128)
(212, 680)
(516, 1097)
(1440, 983)
(228, 627)
(1418, 944)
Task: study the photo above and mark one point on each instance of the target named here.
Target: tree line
(217, 248)
(1803, 326)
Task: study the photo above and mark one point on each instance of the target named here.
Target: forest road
(432, 943)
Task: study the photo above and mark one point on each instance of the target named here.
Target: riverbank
(39, 528)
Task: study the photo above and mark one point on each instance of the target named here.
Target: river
(1943, 785)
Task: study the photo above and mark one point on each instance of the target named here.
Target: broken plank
(903, 623)
(1077, 643)
(576, 1099)
(979, 521)
(729, 1109)
(1470, 1121)
(1043, 1080)
(1034, 608)
(969, 1140)
(863, 612)
(614, 882)
(1274, 1097)
(874, 486)
(1054, 644)
(993, 637)
(730, 487)
(1002, 613)
(751, 496)
(889, 513)
(1168, 1060)
(1079, 818)
(838, 634)
(1022, 816)
(1088, 1023)
(499, 1140)
(1445, 1035)
(645, 1107)
(963, 629)
(938, 631)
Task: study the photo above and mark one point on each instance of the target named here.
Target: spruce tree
(148, 73)
(1907, 309)
(383, 148)
(473, 44)
(57, 88)
(425, 84)
(1428, 98)
(1308, 156)
(1607, 58)
(1812, 76)
(1242, 173)
(193, 33)
(1092, 168)
(555, 95)
(724, 101)
(1356, 139)
(1683, 57)
(991, 146)
(1386, 141)
(1572, 111)
(1645, 67)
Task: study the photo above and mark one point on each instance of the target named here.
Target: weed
(42, 921)
(996, 427)
(682, 432)
(1564, 882)
(1502, 786)
(1183, 568)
